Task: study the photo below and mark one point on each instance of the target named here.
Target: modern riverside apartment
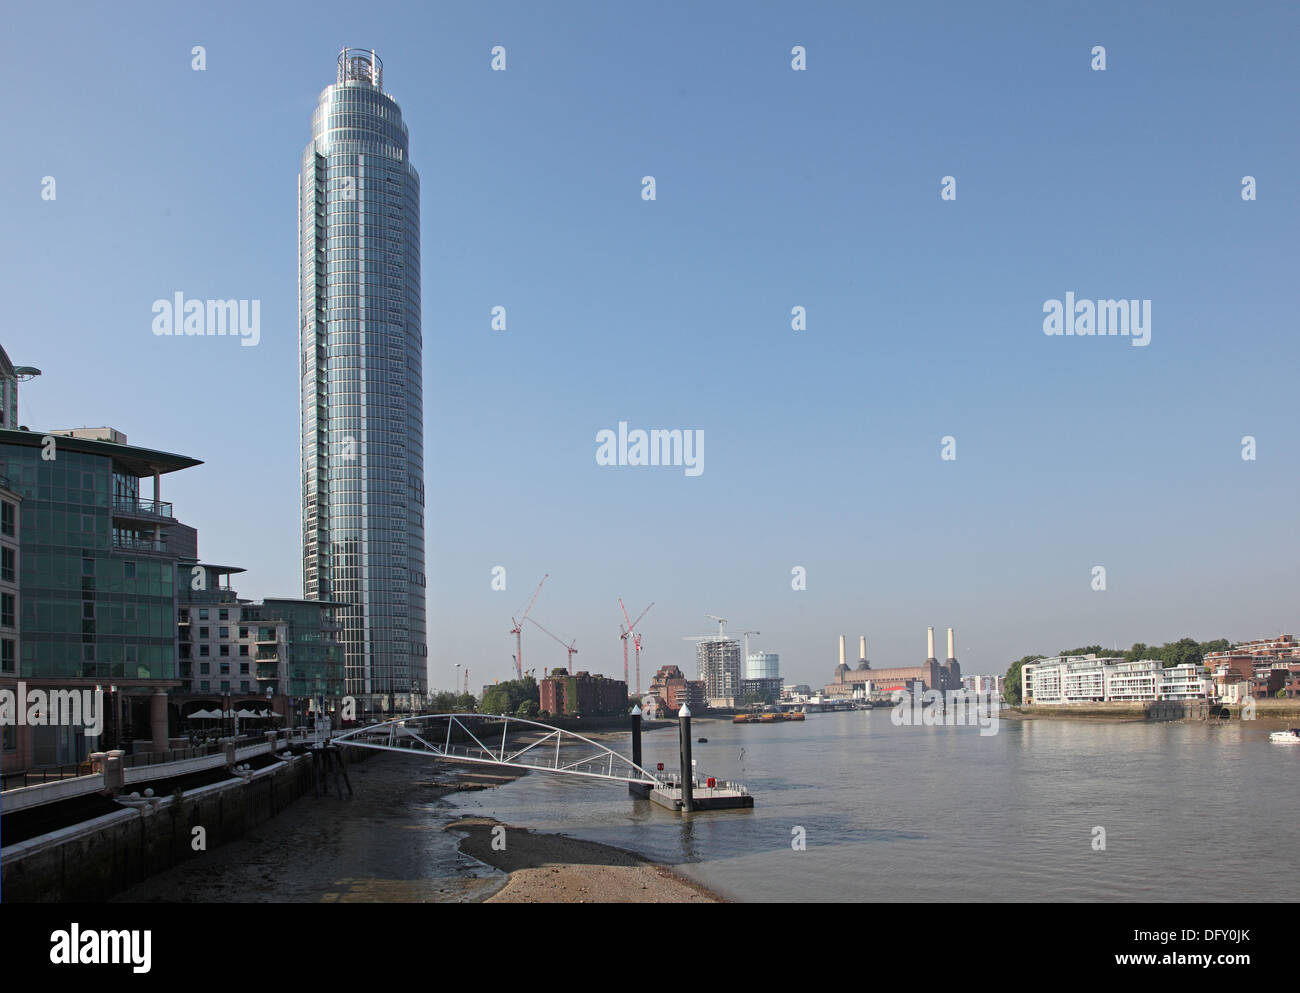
(96, 579)
(1089, 679)
(361, 382)
(281, 654)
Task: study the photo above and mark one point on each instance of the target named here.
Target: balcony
(140, 546)
(142, 510)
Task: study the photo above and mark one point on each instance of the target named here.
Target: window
(204, 651)
(6, 610)
(8, 569)
(8, 658)
(204, 686)
(128, 570)
(243, 668)
(203, 613)
(8, 514)
(225, 668)
(243, 650)
(10, 737)
(224, 651)
(243, 632)
(224, 632)
(205, 668)
(87, 610)
(87, 566)
(223, 615)
(203, 633)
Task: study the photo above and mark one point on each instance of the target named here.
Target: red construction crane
(568, 648)
(518, 627)
(626, 633)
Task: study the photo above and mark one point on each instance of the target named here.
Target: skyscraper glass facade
(361, 380)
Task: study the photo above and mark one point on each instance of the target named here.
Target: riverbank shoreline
(1265, 710)
(421, 849)
(554, 868)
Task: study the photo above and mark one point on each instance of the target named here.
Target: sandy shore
(550, 868)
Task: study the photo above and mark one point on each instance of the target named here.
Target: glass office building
(361, 383)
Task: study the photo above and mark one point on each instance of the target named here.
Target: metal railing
(43, 774)
(146, 508)
(147, 546)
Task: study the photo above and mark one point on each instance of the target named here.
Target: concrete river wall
(97, 858)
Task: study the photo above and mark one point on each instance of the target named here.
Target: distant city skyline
(775, 189)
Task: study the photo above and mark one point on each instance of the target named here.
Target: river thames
(1191, 811)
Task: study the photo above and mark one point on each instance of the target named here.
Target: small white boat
(1290, 736)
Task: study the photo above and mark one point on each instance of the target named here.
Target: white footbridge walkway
(499, 740)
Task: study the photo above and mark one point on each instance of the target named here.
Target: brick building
(582, 695)
(672, 687)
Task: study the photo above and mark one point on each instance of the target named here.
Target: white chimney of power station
(841, 649)
(862, 648)
(930, 644)
(952, 652)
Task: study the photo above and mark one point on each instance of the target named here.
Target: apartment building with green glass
(97, 580)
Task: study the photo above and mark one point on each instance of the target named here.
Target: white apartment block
(1088, 679)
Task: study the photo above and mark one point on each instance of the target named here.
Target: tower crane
(568, 648)
(518, 627)
(625, 634)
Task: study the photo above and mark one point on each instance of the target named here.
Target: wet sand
(396, 841)
(550, 868)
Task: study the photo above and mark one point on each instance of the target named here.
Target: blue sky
(775, 188)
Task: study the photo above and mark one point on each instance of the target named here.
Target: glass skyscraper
(361, 382)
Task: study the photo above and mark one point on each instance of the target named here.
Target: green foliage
(1184, 650)
(527, 709)
(1011, 687)
(508, 697)
(444, 703)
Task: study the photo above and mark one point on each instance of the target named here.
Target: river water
(1190, 811)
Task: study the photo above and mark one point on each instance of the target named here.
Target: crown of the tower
(361, 65)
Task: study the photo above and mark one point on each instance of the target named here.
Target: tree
(1011, 688)
(527, 709)
(1184, 650)
(496, 700)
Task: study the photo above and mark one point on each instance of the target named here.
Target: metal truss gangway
(488, 739)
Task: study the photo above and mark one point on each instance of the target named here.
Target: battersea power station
(866, 681)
